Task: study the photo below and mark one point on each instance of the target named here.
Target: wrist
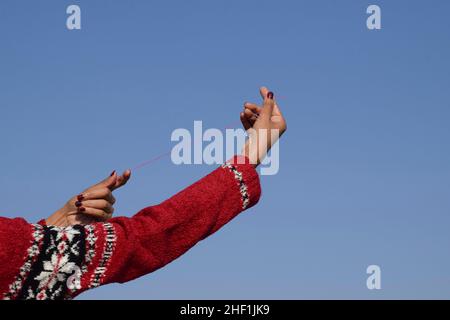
(58, 218)
(252, 156)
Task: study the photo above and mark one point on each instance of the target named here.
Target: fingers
(268, 107)
(278, 120)
(276, 115)
(97, 204)
(245, 121)
(97, 201)
(253, 107)
(252, 111)
(109, 182)
(99, 193)
(252, 117)
(95, 213)
(269, 103)
(250, 114)
(276, 110)
(263, 91)
(122, 180)
(100, 204)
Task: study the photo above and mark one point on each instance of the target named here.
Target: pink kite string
(165, 154)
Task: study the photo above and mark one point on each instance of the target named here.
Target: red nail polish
(82, 209)
(80, 197)
(270, 95)
(78, 204)
(112, 173)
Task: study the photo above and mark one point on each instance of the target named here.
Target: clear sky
(365, 165)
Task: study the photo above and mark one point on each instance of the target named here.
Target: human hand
(93, 205)
(264, 125)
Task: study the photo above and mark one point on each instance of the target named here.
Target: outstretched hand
(93, 205)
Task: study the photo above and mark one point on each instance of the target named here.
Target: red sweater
(47, 262)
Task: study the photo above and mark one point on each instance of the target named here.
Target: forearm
(160, 234)
(124, 248)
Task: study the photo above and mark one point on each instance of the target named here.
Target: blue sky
(365, 165)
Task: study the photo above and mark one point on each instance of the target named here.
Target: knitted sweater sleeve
(57, 263)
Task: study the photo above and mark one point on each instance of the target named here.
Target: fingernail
(112, 173)
(78, 204)
(270, 95)
(82, 209)
(80, 197)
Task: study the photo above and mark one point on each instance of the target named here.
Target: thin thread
(163, 155)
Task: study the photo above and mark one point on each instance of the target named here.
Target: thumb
(109, 182)
(269, 104)
(122, 180)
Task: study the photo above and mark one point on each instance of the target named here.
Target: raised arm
(63, 262)
(159, 234)
(48, 262)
